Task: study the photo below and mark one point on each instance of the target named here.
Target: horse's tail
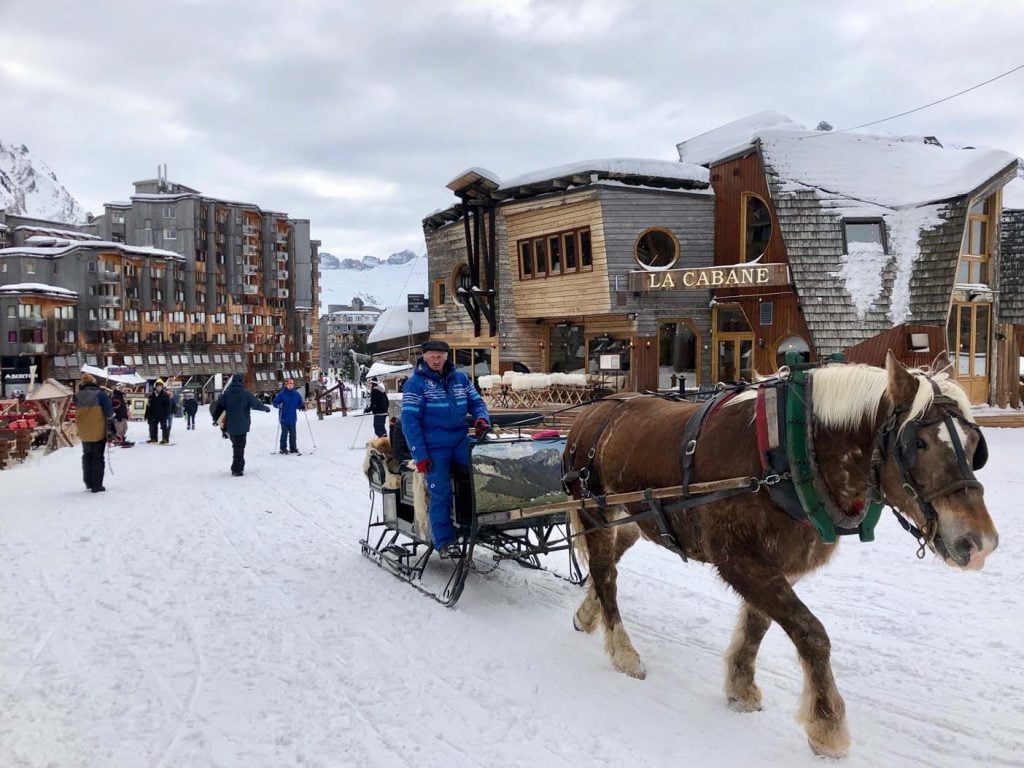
(576, 528)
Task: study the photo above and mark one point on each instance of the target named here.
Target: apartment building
(169, 283)
(345, 327)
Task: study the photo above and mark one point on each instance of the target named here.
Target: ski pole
(312, 439)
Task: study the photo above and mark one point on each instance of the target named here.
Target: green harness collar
(815, 500)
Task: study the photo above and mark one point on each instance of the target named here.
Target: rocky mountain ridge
(29, 188)
(330, 261)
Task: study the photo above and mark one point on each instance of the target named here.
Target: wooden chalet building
(891, 243)
(533, 273)
(806, 241)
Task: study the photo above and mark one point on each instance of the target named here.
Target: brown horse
(757, 548)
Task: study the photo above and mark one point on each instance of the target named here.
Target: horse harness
(784, 422)
(903, 443)
(656, 510)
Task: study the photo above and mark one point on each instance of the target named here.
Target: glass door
(734, 345)
(735, 359)
(968, 336)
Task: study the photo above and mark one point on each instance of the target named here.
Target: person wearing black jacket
(378, 406)
(120, 420)
(158, 412)
(235, 403)
(190, 406)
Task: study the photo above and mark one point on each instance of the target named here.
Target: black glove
(266, 408)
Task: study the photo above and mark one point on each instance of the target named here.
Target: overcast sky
(356, 114)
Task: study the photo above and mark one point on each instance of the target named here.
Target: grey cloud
(234, 94)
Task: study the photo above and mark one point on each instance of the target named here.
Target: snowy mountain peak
(330, 261)
(380, 282)
(28, 187)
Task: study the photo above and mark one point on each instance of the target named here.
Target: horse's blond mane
(846, 395)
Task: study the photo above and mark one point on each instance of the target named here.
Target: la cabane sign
(735, 276)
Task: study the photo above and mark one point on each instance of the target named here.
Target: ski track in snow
(189, 618)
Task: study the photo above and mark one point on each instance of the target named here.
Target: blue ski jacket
(288, 402)
(434, 408)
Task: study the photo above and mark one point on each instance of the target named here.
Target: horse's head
(931, 447)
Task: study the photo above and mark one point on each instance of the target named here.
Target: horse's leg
(601, 548)
(822, 710)
(589, 613)
(740, 689)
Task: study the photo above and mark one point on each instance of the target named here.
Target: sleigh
(509, 507)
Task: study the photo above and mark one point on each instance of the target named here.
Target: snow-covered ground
(189, 618)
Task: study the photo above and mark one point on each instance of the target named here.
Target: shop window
(656, 249)
(792, 344)
(678, 356)
(757, 227)
(472, 361)
(567, 348)
(730, 319)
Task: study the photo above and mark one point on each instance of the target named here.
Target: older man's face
(435, 359)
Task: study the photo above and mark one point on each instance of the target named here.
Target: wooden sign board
(704, 278)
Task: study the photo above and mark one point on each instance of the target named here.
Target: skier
(191, 405)
(378, 406)
(288, 402)
(235, 403)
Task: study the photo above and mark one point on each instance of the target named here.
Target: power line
(933, 103)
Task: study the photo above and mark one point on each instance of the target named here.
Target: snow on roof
(3, 227)
(398, 322)
(382, 370)
(1013, 195)
(65, 233)
(471, 175)
(731, 138)
(48, 390)
(896, 172)
(613, 168)
(38, 288)
(62, 247)
(120, 378)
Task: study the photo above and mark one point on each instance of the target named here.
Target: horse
(901, 435)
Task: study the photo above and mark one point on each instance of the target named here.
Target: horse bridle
(903, 443)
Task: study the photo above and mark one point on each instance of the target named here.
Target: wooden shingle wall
(931, 283)
(1011, 267)
(811, 223)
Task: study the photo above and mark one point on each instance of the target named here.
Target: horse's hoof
(840, 747)
(745, 705)
(633, 668)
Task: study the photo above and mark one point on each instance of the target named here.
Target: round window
(657, 249)
(792, 344)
